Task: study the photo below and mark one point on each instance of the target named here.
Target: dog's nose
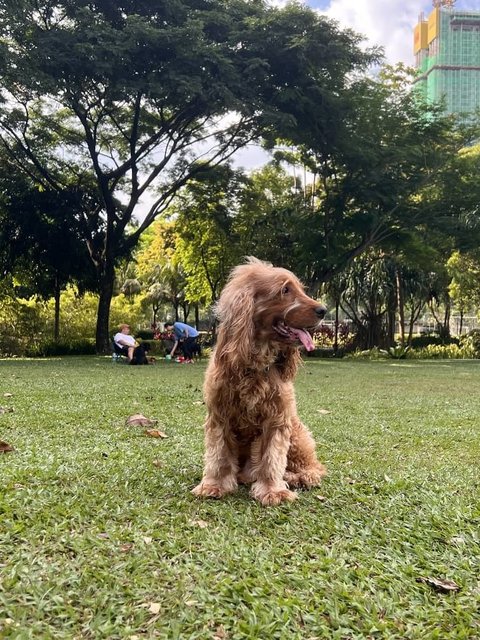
(321, 311)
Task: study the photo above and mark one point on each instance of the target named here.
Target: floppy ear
(236, 330)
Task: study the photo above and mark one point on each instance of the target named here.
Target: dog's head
(262, 304)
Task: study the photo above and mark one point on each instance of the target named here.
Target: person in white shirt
(125, 341)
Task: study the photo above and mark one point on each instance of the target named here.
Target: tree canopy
(128, 95)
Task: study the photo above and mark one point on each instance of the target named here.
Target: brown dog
(253, 433)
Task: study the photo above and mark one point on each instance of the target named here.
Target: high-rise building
(447, 57)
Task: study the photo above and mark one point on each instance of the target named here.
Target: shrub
(145, 334)
(439, 351)
(398, 352)
(419, 342)
(50, 348)
(472, 341)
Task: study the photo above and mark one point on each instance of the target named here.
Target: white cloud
(388, 23)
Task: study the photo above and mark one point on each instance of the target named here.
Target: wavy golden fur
(253, 433)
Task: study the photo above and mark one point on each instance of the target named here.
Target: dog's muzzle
(321, 310)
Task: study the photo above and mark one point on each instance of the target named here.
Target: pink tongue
(304, 337)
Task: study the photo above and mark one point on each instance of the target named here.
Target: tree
(370, 180)
(40, 242)
(207, 243)
(132, 93)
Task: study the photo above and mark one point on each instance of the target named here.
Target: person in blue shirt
(184, 335)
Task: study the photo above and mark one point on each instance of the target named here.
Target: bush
(439, 351)
(419, 342)
(472, 342)
(145, 334)
(50, 348)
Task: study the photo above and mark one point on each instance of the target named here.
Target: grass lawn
(101, 538)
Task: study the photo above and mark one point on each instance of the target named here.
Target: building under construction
(447, 56)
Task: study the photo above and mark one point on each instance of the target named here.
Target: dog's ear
(235, 338)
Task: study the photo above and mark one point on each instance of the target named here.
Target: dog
(253, 434)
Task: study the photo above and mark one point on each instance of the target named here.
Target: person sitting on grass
(184, 335)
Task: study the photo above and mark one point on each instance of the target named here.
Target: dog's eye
(285, 290)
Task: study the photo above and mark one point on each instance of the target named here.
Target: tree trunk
(106, 281)
(401, 305)
(197, 316)
(335, 343)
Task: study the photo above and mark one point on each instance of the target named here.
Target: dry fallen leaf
(128, 546)
(155, 433)
(147, 540)
(6, 410)
(199, 402)
(7, 395)
(139, 420)
(157, 463)
(323, 412)
(4, 447)
(220, 633)
(321, 498)
(154, 607)
(199, 523)
(440, 585)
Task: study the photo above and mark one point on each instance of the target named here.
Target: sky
(387, 23)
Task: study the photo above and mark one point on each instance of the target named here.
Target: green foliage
(397, 352)
(419, 342)
(49, 348)
(471, 342)
(118, 98)
(445, 351)
(26, 325)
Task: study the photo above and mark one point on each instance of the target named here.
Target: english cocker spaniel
(253, 433)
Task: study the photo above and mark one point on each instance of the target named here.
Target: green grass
(92, 531)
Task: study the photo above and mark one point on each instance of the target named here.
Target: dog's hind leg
(303, 468)
(221, 463)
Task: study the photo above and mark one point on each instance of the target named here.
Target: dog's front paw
(270, 496)
(211, 490)
(307, 478)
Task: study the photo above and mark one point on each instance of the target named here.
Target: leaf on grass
(323, 412)
(155, 433)
(157, 463)
(387, 478)
(199, 523)
(139, 420)
(8, 395)
(190, 603)
(147, 540)
(6, 410)
(220, 633)
(104, 536)
(199, 402)
(154, 607)
(350, 480)
(125, 548)
(4, 447)
(445, 586)
(321, 498)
